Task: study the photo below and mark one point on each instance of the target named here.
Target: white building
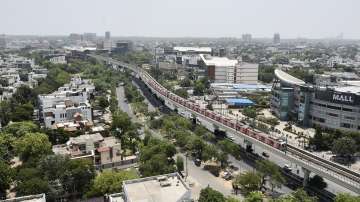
(60, 59)
(68, 103)
(225, 70)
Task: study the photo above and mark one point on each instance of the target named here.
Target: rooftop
(192, 49)
(348, 89)
(165, 188)
(31, 198)
(287, 78)
(218, 61)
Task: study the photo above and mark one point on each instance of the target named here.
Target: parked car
(197, 162)
(287, 168)
(265, 155)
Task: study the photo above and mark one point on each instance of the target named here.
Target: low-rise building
(69, 103)
(104, 152)
(164, 188)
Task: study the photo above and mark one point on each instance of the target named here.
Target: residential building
(164, 188)
(69, 103)
(57, 59)
(104, 152)
(225, 70)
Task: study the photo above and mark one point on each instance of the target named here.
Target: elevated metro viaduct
(303, 159)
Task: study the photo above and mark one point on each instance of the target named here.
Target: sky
(183, 18)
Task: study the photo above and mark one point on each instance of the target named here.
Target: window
(346, 125)
(350, 117)
(334, 107)
(332, 114)
(347, 109)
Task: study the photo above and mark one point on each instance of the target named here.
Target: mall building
(335, 107)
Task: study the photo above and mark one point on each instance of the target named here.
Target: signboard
(338, 97)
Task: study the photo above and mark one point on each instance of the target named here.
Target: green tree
(78, 176)
(317, 182)
(180, 163)
(185, 82)
(103, 103)
(53, 167)
(248, 182)
(6, 147)
(121, 122)
(210, 195)
(110, 182)
(344, 147)
(297, 196)
(29, 182)
(270, 172)
(6, 176)
(254, 196)
(22, 112)
(156, 158)
(346, 197)
(23, 95)
(182, 93)
(32, 146)
(19, 129)
(249, 112)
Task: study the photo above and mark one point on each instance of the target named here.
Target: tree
(182, 93)
(346, 197)
(269, 171)
(248, 182)
(103, 103)
(110, 182)
(297, 196)
(249, 112)
(29, 181)
(179, 163)
(185, 82)
(6, 176)
(6, 146)
(24, 94)
(156, 158)
(344, 147)
(78, 176)
(254, 196)
(317, 182)
(53, 166)
(22, 112)
(18, 129)
(32, 146)
(121, 122)
(210, 195)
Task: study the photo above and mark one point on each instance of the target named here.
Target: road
(197, 174)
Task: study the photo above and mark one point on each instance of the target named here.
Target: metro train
(258, 135)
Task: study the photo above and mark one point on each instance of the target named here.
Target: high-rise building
(89, 37)
(2, 41)
(276, 38)
(107, 42)
(107, 35)
(246, 38)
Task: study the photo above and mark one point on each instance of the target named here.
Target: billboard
(338, 97)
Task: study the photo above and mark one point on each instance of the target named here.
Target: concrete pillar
(306, 176)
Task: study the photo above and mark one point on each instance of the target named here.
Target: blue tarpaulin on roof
(240, 102)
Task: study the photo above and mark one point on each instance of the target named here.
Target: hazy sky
(180, 18)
